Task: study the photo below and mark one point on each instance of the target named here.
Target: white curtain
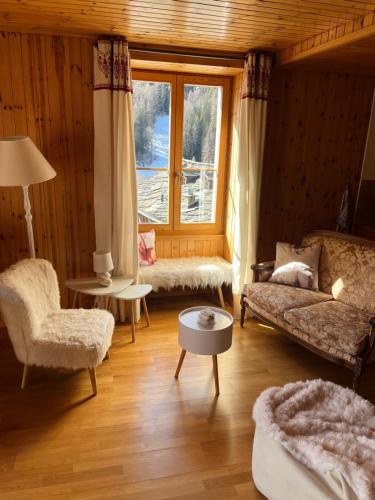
(115, 191)
(252, 127)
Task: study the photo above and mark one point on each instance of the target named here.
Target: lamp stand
(29, 218)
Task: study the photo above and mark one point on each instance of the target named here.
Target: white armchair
(41, 332)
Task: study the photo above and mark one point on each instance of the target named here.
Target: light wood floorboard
(146, 435)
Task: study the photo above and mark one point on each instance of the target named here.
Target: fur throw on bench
(187, 272)
(325, 427)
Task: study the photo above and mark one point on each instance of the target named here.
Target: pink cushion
(146, 248)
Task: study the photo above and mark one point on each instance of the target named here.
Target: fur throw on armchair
(325, 427)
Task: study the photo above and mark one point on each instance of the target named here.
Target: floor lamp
(22, 164)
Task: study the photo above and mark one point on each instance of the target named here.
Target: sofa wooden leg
(243, 311)
(24, 376)
(358, 371)
(221, 297)
(92, 374)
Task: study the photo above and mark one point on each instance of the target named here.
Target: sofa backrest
(347, 268)
(29, 292)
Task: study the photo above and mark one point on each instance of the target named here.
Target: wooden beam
(343, 34)
(186, 59)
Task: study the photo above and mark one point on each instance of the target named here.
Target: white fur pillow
(297, 266)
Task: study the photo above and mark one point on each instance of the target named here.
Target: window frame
(177, 82)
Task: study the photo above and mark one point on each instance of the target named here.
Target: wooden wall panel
(189, 246)
(46, 93)
(316, 133)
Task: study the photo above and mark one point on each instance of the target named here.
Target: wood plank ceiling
(227, 25)
(358, 56)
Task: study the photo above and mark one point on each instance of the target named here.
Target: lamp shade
(21, 162)
(102, 262)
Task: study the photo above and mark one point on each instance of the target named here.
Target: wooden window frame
(177, 82)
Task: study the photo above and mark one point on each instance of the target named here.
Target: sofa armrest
(263, 270)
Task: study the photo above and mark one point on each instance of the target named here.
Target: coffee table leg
(180, 361)
(132, 319)
(74, 299)
(145, 310)
(216, 374)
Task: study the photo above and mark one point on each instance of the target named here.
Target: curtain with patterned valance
(251, 135)
(115, 192)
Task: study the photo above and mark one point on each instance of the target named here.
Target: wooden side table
(209, 340)
(131, 294)
(90, 286)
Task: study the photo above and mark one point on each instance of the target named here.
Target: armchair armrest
(263, 270)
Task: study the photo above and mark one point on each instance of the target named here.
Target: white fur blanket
(325, 427)
(190, 272)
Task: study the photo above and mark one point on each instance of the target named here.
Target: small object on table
(206, 316)
(131, 294)
(90, 286)
(211, 339)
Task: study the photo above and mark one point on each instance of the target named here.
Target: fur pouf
(189, 272)
(325, 427)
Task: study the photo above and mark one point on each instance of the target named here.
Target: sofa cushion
(333, 322)
(301, 335)
(347, 269)
(276, 299)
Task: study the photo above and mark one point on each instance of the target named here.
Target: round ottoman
(314, 440)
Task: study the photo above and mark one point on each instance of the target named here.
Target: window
(180, 140)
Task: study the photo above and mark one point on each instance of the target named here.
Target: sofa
(338, 321)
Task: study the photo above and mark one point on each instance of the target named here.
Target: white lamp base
(104, 279)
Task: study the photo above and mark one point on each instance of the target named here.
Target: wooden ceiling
(226, 25)
(357, 56)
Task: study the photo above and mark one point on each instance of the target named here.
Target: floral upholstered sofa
(336, 322)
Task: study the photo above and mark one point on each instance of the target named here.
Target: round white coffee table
(209, 340)
(133, 293)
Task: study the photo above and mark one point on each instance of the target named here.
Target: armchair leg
(24, 376)
(92, 374)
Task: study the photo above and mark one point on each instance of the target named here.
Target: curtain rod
(189, 54)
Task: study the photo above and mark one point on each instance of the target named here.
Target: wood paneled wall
(316, 132)
(189, 246)
(46, 93)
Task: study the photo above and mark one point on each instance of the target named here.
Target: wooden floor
(146, 435)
